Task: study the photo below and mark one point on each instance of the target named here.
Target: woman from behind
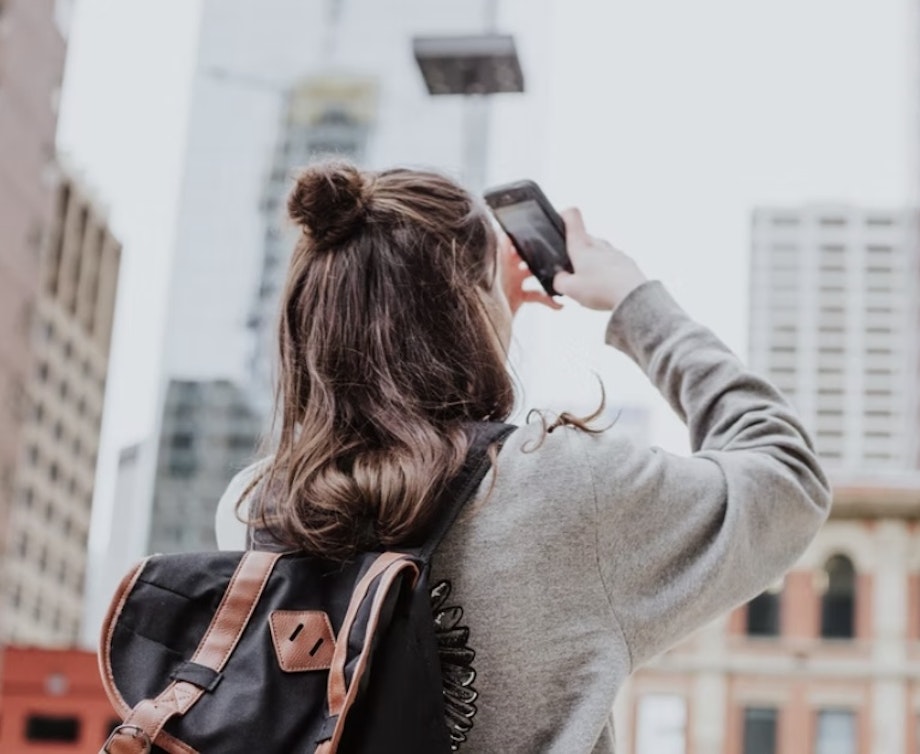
(585, 553)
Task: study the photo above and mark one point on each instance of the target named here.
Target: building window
(836, 732)
(182, 441)
(763, 613)
(661, 724)
(759, 730)
(47, 728)
(838, 603)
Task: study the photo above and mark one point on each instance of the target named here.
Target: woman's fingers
(603, 276)
(540, 297)
(576, 236)
(515, 273)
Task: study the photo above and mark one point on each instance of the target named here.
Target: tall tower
(49, 525)
(835, 311)
(32, 47)
(209, 432)
(325, 115)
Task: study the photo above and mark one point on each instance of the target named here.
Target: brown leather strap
(235, 609)
(336, 691)
(389, 566)
(227, 626)
(127, 739)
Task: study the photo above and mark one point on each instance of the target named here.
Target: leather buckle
(129, 730)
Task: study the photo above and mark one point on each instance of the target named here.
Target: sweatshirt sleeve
(682, 539)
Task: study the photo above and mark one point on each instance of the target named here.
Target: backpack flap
(234, 652)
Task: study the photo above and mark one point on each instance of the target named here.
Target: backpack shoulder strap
(463, 486)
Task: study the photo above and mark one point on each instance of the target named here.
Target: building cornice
(898, 498)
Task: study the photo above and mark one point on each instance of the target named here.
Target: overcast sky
(670, 121)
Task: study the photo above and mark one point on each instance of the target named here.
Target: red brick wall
(55, 683)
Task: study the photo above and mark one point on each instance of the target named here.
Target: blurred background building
(825, 662)
(209, 429)
(322, 115)
(834, 321)
(52, 702)
(48, 527)
(32, 48)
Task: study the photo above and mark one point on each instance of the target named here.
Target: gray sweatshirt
(594, 554)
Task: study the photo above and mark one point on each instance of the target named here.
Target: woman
(585, 553)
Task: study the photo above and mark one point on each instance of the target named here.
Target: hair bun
(329, 202)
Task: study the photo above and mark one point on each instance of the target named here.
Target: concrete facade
(48, 527)
(835, 310)
(209, 433)
(828, 695)
(32, 49)
(325, 116)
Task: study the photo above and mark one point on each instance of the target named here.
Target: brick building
(825, 662)
(52, 702)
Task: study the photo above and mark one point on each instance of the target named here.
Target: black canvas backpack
(260, 651)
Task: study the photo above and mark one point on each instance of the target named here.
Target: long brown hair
(386, 354)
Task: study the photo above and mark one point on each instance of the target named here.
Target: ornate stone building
(825, 662)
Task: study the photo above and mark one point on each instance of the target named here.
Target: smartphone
(534, 227)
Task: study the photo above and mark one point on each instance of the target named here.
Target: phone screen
(536, 238)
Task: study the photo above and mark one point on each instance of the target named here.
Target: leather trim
(150, 715)
(173, 745)
(230, 620)
(124, 745)
(117, 604)
(389, 569)
(303, 640)
(335, 689)
(235, 609)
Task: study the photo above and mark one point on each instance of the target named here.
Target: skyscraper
(32, 48)
(835, 312)
(45, 567)
(209, 432)
(330, 115)
(252, 55)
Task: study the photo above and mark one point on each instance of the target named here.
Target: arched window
(763, 612)
(838, 603)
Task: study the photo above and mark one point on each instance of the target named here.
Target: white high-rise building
(835, 317)
(324, 116)
(252, 54)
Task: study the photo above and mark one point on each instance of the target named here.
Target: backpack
(262, 651)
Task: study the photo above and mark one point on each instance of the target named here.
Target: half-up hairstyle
(386, 353)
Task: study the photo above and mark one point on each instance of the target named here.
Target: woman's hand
(514, 272)
(603, 276)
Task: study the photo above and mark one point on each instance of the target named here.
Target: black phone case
(520, 191)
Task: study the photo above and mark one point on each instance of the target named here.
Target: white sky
(670, 121)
